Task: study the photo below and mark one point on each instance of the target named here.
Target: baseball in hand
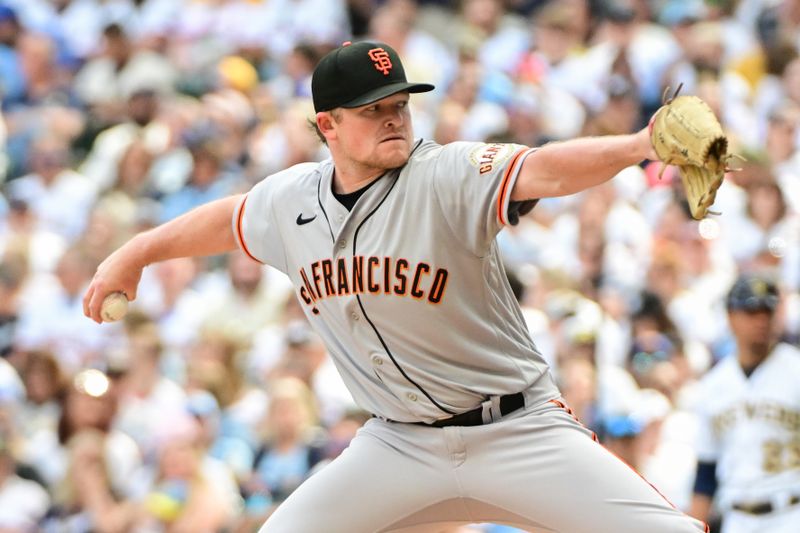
(115, 305)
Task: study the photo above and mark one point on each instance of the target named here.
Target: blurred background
(213, 399)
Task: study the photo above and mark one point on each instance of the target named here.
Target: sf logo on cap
(381, 59)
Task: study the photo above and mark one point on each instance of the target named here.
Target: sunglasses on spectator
(644, 361)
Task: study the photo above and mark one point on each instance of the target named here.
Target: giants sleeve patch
(486, 157)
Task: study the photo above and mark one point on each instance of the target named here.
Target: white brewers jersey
(408, 289)
(751, 427)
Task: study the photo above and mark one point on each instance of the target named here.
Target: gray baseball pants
(536, 469)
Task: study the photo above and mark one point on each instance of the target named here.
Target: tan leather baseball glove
(685, 132)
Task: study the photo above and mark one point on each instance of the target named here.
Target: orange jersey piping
(505, 189)
(239, 234)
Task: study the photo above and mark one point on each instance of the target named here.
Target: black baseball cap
(357, 74)
(752, 292)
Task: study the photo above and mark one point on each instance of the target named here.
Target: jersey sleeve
(705, 443)
(473, 184)
(255, 228)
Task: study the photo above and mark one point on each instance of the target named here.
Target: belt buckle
(490, 410)
(783, 499)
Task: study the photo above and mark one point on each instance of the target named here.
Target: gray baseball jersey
(408, 289)
(410, 296)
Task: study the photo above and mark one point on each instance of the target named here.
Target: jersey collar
(340, 220)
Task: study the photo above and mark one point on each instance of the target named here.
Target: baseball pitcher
(391, 247)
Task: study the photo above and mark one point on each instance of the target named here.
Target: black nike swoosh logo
(300, 220)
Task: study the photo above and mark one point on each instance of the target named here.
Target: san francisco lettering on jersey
(372, 275)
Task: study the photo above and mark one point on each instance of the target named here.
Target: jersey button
(411, 396)
(342, 244)
(355, 316)
(377, 360)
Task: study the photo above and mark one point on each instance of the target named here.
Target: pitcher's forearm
(700, 507)
(205, 230)
(563, 168)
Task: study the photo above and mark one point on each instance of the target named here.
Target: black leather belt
(508, 404)
(762, 507)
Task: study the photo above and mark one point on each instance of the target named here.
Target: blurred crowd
(213, 399)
